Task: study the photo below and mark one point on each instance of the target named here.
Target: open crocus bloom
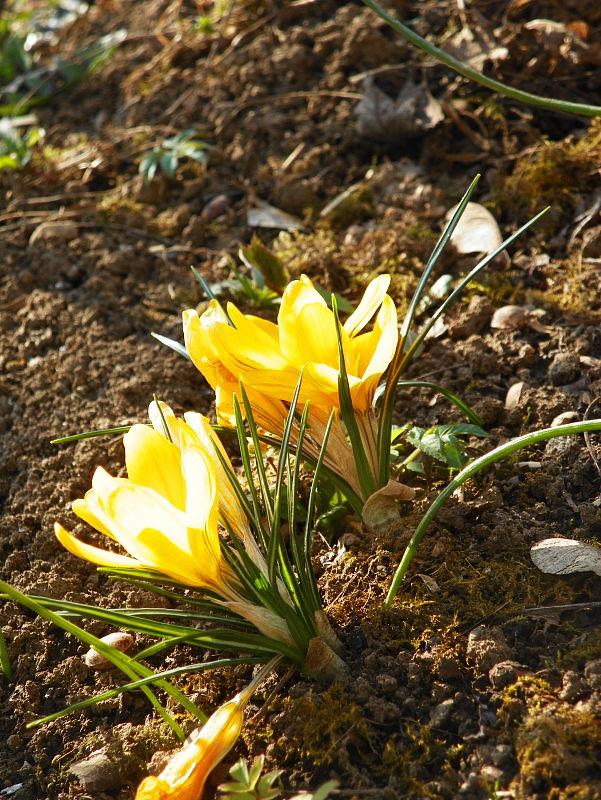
(269, 358)
(165, 515)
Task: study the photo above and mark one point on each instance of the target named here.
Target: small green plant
(24, 84)
(267, 281)
(321, 793)
(166, 156)
(16, 150)
(248, 783)
(252, 289)
(14, 59)
(203, 25)
(442, 442)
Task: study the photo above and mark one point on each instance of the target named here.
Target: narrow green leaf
(5, 660)
(177, 347)
(457, 401)
(209, 292)
(395, 368)
(308, 538)
(90, 434)
(409, 353)
(138, 684)
(258, 507)
(266, 497)
(468, 72)
(125, 663)
(276, 547)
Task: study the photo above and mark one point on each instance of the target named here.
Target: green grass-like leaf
(470, 471)
(549, 103)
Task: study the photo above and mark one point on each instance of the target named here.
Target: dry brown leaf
(563, 556)
(264, 215)
(477, 230)
(475, 48)
(381, 118)
(380, 511)
(507, 318)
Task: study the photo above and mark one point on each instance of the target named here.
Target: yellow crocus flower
(269, 358)
(164, 515)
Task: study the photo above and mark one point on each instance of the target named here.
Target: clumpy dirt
(462, 689)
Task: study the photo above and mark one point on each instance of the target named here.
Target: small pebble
(508, 317)
(564, 418)
(503, 674)
(120, 641)
(97, 773)
(441, 713)
(501, 754)
(513, 396)
(564, 369)
(592, 673)
(491, 774)
(215, 208)
(487, 647)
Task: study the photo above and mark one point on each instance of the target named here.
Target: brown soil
(457, 691)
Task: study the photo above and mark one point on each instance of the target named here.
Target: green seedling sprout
(166, 157)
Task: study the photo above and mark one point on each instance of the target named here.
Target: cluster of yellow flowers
(269, 359)
(168, 512)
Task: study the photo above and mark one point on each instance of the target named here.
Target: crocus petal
(370, 302)
(298, 294)
(245, 346)
(165, 422)
(197, 337)
(201, 509)
(228, 501)
(94, 554)
(312, 337)
(103, 483)
(153, 461)
(89, 510)
(320, 385)
(149, 527)
(239, 320)
(384, 339)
